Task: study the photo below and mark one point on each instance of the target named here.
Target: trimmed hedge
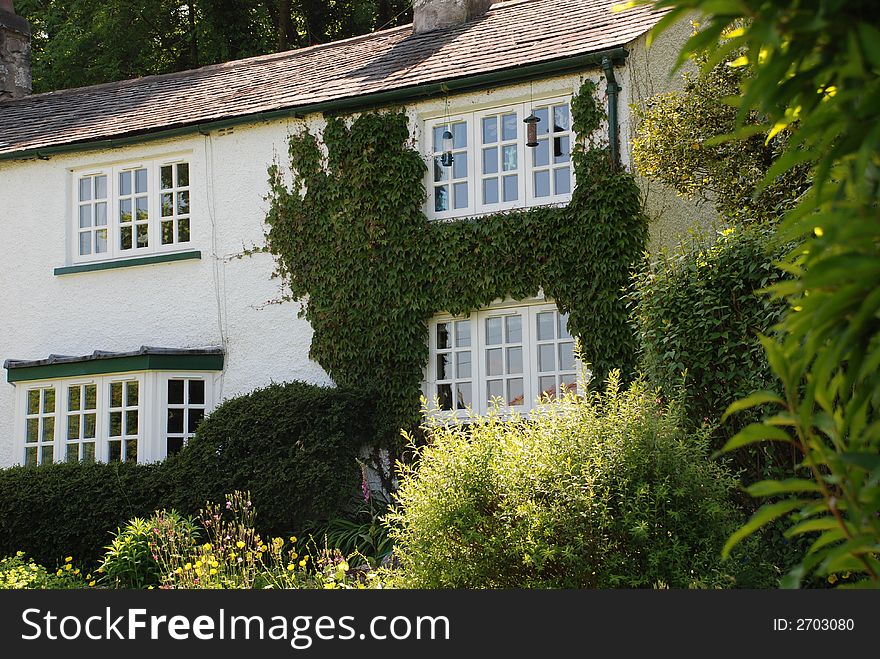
(293, 446)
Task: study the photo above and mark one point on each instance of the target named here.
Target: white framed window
(492, 167)
(131, 210)
(127, 417)
(512, 356)
(186, 404)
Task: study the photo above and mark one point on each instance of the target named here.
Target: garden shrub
(697, 318)
(293, 446)
(605, 491)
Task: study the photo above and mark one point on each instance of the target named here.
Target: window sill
(128, 263)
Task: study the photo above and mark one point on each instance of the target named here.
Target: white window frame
(114, 200)
(152, 411)
(162, 432)
(528, 311)
(525, 158)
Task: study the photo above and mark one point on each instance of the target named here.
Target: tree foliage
(81, 43)
(815, 71)
(676, 144)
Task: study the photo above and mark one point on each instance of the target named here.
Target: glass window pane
(561, 149)
(100, 241)
(542, 184)
(174, 445)
(543, 121)
(183, 175)
(541, 154)
(462, 333)
(443, 336)
(73, 426)
(167, 204)
(460, 166)
(511, 188)
(493, 331)
(125, 238)
(515, 394)
(85, 188)
(562, 180)
(514, 360)
(494, 361)
(560, 118)
(490, 130)
(490, 160)
(100, 187)
(141, 209)
(48, 429)
(192, 422)
(183, 203)
(196, 392)
(30, 455)
(140, 180)
(509, 127)
(115, 424)
(85, 243)
(116, 394)
(444, 396)
(175, 392)
(460, 195)
(47, 454)
(168, 232)
(444, 366)
(175, 421)
(165, 180)
(91, 396)
(568, 383)
(463, 399)
(72, 451)
(74, 398)
(545, 323)
(125, 183)
(131, 394)
(101, 214)
(547, 385)
(131, 422)
(566, 356)
(33, 430)
(114, 452)
(131, 450)
(125, 210)
(183, 231)
(546, 358)
(459, 136)
(88, 452)
(490, 191)
(143, 238)
(89, 425)
(438, 138)
(85, 216)
(508, 158)
(494, 389)
(513, 325)
(463, 364)
(33, 401)
(441, 198)
(563, 326)
(49, 400)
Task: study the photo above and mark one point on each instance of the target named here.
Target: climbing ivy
(351, 240)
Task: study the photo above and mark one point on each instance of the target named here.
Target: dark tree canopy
(81, 42)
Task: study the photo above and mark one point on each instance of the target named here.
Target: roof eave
(345, 104)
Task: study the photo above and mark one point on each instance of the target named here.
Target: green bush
(294, 446)
(697, 318)
(608, 491)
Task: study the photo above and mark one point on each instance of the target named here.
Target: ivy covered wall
(350, 237)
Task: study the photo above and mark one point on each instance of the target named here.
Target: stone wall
(15, 56)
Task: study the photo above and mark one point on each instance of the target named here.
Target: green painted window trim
(128, 263)
(117, 365)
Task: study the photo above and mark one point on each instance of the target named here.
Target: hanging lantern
(532, 129)
(446, 159)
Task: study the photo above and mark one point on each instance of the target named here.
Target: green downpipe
(613, 90)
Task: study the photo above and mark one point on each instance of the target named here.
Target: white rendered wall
(223, 299)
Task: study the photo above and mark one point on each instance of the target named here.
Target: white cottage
(128, 312)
